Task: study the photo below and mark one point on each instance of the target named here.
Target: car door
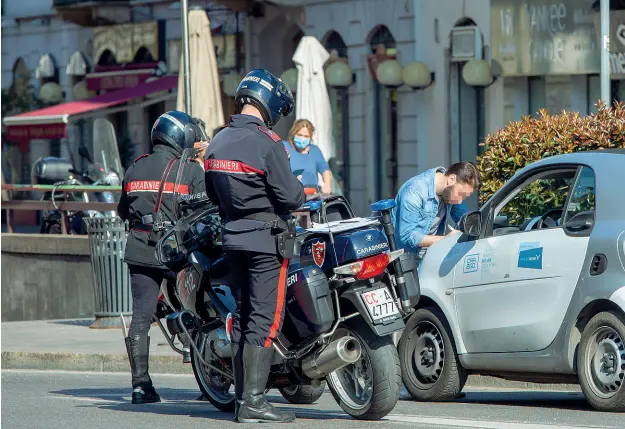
(513, 287)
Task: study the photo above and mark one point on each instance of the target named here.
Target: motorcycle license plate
(380, 304)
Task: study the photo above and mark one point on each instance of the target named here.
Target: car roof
(590, 157)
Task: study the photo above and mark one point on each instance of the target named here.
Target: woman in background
(308, 157)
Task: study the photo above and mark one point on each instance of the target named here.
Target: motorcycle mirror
(82, 151)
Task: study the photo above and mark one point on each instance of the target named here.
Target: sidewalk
(71, 345)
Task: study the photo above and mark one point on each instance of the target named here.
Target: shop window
(143, 55)
(594, 92)
(536, 94)
(107, 59)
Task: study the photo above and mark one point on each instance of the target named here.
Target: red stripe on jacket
(233, 167)
(153, 185)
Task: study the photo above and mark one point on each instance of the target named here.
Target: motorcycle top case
(48, 171)
(308, 304)
(351, 245)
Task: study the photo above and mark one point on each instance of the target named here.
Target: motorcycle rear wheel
(215, 387)
(370, 388)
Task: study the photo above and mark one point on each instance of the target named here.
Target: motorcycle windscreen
(181, 194)
(106, 159)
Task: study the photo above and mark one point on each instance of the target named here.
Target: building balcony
(91, 13)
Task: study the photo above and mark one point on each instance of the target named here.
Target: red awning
(50, 122)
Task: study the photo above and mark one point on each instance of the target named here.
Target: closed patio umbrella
(205, 90)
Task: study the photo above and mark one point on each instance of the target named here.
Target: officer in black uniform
(249, 176)
(147, 204)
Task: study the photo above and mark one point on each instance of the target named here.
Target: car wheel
(601, 362)
(429, 362)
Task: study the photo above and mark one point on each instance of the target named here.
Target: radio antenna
(330, 234)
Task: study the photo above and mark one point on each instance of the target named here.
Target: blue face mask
(301, 142)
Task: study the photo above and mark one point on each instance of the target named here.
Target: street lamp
(478, 73)
(339, 75)
(389, 73)
(417, 75)
(51, 92)
(289, 77)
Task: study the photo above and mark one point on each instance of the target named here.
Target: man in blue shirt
(426, 202)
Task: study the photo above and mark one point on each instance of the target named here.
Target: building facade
(90, 48)
(394, 133)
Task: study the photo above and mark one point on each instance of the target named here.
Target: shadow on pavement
(523, 398)
(181, 402)
(85, 323)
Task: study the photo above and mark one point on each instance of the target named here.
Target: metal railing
(12, 205)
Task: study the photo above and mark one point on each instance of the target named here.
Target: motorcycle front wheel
(214, 386)
(368, 389)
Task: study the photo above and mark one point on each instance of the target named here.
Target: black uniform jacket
(139, 198)
(247, 172)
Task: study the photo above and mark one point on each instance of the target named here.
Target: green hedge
(530, 139)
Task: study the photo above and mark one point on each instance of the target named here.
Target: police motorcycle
(339, 316)
(104, 168)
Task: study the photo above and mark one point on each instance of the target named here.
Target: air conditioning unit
(466, 43)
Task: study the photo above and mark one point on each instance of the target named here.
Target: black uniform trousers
(145, 285)
(259, 289)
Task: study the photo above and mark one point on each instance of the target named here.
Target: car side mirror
(581, 223)
(471, 223)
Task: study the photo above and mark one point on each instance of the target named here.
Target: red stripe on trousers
(279, 304)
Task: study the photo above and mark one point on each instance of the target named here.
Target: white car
(532, 290)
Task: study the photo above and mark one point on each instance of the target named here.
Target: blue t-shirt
(313, 163)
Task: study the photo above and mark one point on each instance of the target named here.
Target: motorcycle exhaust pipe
(336, 355)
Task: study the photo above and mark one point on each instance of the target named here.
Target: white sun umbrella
(312, 100)
(205, 91)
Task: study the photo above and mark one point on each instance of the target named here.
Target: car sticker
(488, 260)
(530, 256)
(471, 263)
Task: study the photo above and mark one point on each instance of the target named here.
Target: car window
(542, 195)
(583, 197)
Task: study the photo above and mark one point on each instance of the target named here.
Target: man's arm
(410, 217)
(287, 189)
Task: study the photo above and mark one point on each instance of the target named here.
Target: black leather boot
(237, 369)
(253, 407)
(138, 348)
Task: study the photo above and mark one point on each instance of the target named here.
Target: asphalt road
(33, 399)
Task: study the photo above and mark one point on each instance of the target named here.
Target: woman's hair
(298, 125)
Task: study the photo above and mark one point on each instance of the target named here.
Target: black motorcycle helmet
(177, 130)
(267, 93)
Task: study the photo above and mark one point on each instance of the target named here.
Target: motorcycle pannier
(309, 302)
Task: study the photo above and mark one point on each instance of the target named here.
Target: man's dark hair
(466, 172)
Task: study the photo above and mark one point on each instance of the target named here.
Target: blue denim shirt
(416, 209)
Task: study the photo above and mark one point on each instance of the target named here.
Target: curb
(173, 365)
(89, 362)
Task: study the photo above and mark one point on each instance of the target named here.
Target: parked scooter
(103, 169)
